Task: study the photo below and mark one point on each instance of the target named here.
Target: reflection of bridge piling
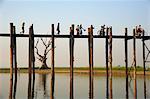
(109, 94)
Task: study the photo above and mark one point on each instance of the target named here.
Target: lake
(62, 87)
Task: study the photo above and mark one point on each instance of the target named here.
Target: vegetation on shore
(76, 69)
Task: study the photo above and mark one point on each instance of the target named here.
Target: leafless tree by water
(43, 58)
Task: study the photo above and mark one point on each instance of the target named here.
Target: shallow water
(62, 87)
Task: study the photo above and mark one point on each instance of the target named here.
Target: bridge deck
(76, 36)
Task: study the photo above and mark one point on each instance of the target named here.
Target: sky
(42, 13)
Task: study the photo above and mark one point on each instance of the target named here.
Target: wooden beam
(143, 43)
(90, 33)
(15, 62)
(110, 64)
(52, 64)
(32, 60)
(71, 61)
(11, 61)
(126, 62)
(134, 64)
(107, 73)
(30, 64)
(75, 36)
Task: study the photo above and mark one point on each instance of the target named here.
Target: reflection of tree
(131, 88)
(42, 80)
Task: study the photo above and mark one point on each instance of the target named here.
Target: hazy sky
(42, 13)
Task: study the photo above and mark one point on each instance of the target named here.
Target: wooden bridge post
(126, 61)
(30, 63)
(90, 33)
(32, 59)
(11, 60)
(143, 43)
(52, 64)
(15, 61)
(134, 58)
(71, 60)
(107, 74)
(110, 64)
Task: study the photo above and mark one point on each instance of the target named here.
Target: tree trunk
(44, 65)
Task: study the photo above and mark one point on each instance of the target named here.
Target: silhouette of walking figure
(92, 26)
(139, 30)
(22, 32)
(58, 30)
(77, 29)
(80, 29)
(102, 31)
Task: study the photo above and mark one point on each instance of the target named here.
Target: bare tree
(43, 58)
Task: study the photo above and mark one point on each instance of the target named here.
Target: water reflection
(52, 85)
(91, 88)
(107, 86)
(12, 90)
(81, 87)
(131, 88)
(15, 87)
(11, 86)
(33, 84)
(29, 86)
(43, 85)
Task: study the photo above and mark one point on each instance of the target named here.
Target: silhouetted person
(77, 29)
(70, 29)
(58, 29)
(139, 30)
(102, 30)
(80, 29)
(23, 31)
(92, 27)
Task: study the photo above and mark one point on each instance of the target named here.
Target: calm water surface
(62, 81)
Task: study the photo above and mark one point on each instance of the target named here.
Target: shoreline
(82, 70)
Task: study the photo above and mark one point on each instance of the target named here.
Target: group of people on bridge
(80, 29)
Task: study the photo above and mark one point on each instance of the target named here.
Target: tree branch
(43, 42)
(37, 51)
(37, 43)
(39, 59)
(47, 46)
(48, 51)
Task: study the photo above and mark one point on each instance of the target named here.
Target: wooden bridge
(108, 50)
